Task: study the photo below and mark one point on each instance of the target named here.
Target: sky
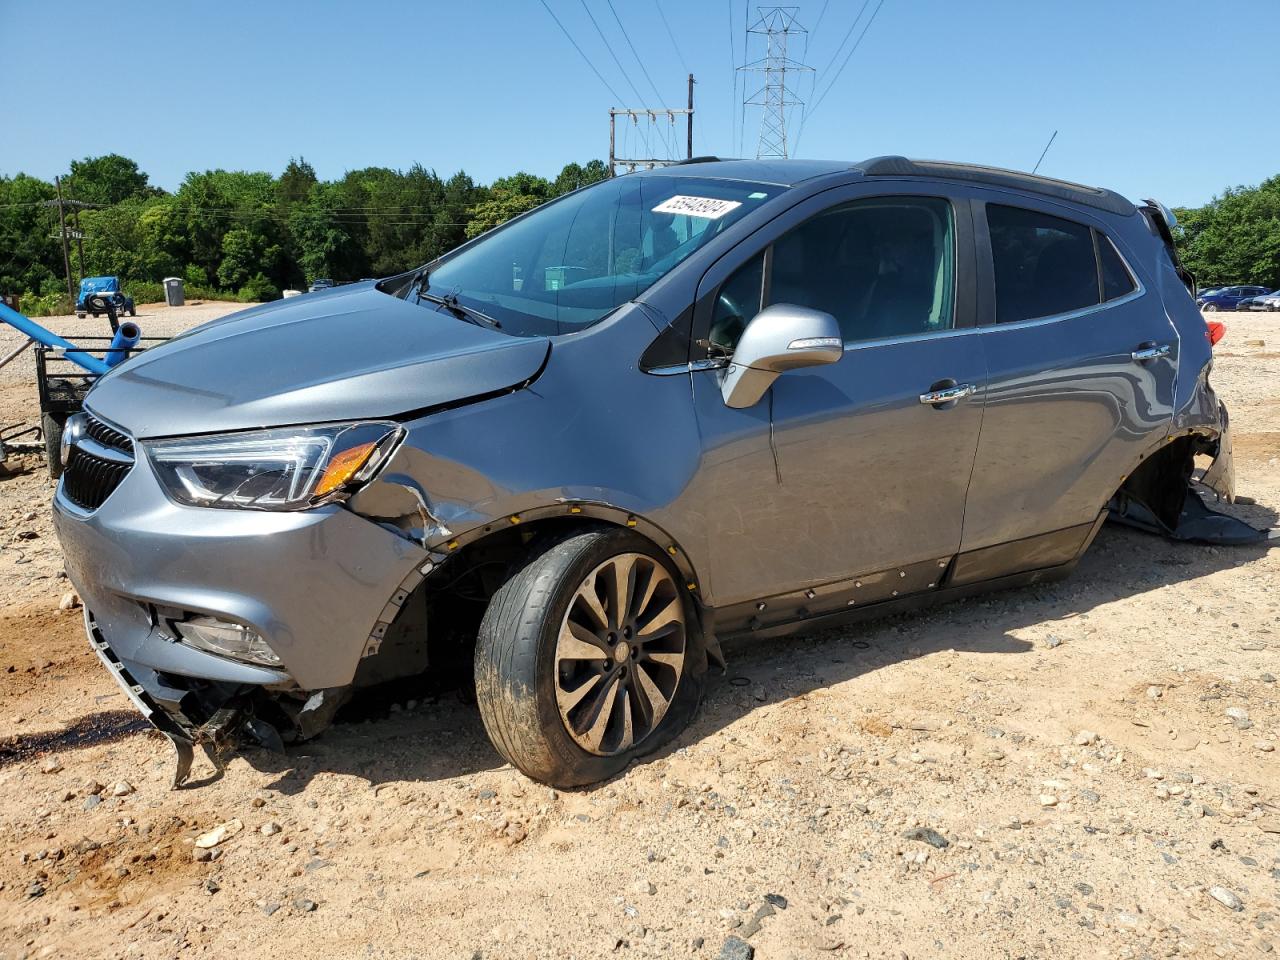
(1143, 98)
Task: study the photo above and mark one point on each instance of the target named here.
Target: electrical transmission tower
(777, 25)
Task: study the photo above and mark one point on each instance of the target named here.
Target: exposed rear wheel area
(588, 656)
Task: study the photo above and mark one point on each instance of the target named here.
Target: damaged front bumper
(320, 587)
(1165, 496)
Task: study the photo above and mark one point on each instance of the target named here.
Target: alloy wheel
(620, 653)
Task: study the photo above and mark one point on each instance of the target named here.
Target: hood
(351, 354)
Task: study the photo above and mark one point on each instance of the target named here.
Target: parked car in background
(1266, 301)
(717, 398)
(323, 283)
(1228, 298)
(107, 289)
(1271, 302)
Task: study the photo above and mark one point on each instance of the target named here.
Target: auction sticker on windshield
(708, 208)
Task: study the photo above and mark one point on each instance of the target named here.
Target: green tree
(29, 256)
(574, 176)
(508, 197)
(1235, 238)
(296, 182)
(107, 179)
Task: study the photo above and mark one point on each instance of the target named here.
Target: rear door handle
(1150, 351)
(937, 397)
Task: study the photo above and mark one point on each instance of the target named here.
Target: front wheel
(1210, 308)
(588, 657)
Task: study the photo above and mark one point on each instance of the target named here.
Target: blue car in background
(1228, 298)
(108, 288)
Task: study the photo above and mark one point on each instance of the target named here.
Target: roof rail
(706, 159)
(1097, 197)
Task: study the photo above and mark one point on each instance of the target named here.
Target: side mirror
(778, 338)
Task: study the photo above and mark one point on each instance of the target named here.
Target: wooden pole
(66, 253)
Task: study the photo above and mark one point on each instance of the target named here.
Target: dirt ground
(1086, 769)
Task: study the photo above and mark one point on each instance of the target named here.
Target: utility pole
(652, 117)
(776, 25)
(75, 226)
(62, 223)
(689, 124)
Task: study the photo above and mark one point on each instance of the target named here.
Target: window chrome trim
(694, 366)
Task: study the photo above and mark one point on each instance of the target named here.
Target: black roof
(1107, 200)
(791, 172)
(784, 173)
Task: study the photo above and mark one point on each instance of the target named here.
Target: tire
(51, 425)
(1210, 308)
(80, 316)
(524, 670)
(133, 312)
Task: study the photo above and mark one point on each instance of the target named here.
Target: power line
(817, 77)
(584, 57)
(746, 36)
(733, 94)
(621, 68)
(644, 70)
(835, 79)
(684, 63)
(808, 36)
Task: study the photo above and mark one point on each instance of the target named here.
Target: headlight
(291, 468)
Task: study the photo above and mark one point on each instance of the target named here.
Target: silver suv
(716, 398)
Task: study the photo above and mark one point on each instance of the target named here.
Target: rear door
(1081, 361)
(872, 453)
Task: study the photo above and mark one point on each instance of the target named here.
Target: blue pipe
(126, 339)
(41, 335)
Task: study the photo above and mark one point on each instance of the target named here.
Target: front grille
(107, 436)
(96, 464)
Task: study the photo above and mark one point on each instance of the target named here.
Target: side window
(1116, 279)
(1044, 265)
(883, 267)
(737, 302)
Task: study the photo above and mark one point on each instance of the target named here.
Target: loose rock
(736, 948)
(219, 833)
(1226, 898)
(925, 835)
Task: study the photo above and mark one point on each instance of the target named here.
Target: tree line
(249, 235)
(1235, 237)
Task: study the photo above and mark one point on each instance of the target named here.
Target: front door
(870, 456)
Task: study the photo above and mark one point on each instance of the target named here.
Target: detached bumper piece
(162, 706)
(1197, 522)
(1161, 496)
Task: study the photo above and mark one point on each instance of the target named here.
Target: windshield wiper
(451, 303)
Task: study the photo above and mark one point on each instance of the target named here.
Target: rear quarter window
(1117, 281)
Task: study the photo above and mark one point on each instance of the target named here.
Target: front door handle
(939, 394)
(1150, 351)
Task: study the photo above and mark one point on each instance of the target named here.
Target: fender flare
(601, 511)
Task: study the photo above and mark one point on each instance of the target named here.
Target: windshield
(572, 262)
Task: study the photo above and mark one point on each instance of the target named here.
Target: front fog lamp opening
(290, 468)
(226, 639)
